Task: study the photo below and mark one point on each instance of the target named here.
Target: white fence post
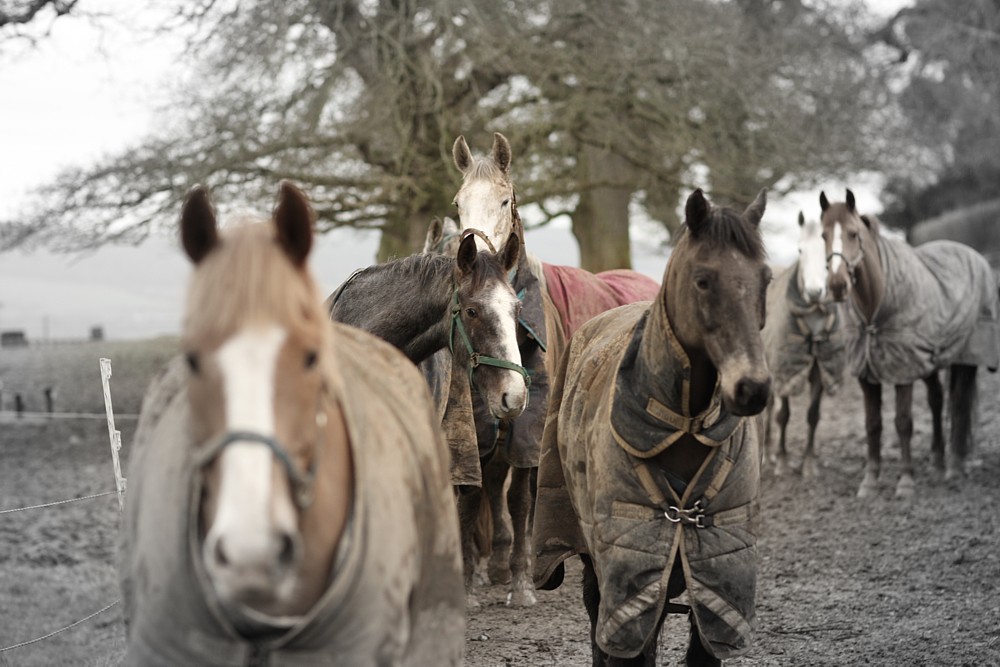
(114, 435)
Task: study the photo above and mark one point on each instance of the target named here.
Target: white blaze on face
(480, 208)
(837, 247)
(248, 363)
(505, 302)
(812, 260)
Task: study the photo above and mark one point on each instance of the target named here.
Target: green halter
(476, 359)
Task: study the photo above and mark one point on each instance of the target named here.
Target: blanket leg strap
(677, 608)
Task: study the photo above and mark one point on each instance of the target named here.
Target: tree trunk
(600, 222)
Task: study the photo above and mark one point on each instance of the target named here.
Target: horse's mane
(248, 278)
(726, 228)
(425, 268)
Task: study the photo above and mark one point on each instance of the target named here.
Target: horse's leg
(494, 480)
(592, 602)
(961, 403)
(468, 513)
(810, 463)
(784, 413)
(904, 430)
(519, 503)
(697, 655)
(873, 431)
(935, 399)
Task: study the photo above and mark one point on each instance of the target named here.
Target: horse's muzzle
(750, 396)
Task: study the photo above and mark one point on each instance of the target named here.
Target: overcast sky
(89, 90)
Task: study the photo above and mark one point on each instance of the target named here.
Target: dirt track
(842, 581)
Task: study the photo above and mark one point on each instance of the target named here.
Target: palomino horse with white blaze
(556, 301)
(910, 312)
(803, 342)
(650, 466)
(289, 500)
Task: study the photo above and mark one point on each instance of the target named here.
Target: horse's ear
(850, 201)
(467, 254)
(199, 230)
(501, 152)
(511, 251)
(696, 211)
(294, 218)
(824, 203)
(435, 233)
(461, 154)
(802, 219)
(755, 211)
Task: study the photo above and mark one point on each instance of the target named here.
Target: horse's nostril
(220, 554)
(287, 553)
(504, 402)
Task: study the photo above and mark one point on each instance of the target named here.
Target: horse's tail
(962, 396)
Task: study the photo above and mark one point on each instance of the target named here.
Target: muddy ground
(842, 581)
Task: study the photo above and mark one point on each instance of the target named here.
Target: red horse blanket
(579, 295)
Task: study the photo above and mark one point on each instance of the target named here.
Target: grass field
(58, 564)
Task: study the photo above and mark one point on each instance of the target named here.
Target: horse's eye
(192, 361)
(311, 358)
(702, 283)
(504, 203)
(852, 235)
(454, 202)
(471, 312)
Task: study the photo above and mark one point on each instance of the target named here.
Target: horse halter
(476, 359)
(301, 481)
(851, 265)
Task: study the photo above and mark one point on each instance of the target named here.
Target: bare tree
(607, 105)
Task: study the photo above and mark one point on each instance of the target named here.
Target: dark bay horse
(803, 341)
(910, 312)
(289, 500)
(462, 302)
(556, 301)
(650, 463)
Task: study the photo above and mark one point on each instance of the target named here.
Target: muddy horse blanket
(395, 596)
(599, 494)
(940, 308)
(799, 334)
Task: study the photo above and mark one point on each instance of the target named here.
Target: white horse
(803, 343)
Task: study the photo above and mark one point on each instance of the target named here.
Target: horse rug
(599, 495)
(395, 596)
(579, 295)
(799, 334)
(940, 308)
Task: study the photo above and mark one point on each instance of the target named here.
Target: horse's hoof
(472, 602)
(954, 473)
(521, 599)
(810, 468)
(867, 488)
(904, 489)
(780, 466)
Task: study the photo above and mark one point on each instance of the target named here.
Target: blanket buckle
(693, 516)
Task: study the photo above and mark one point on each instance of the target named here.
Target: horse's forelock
(250, 279)
(484, 168)
(727, 228)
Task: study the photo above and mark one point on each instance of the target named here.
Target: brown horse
(556, 301)
(803, 340)
(289, 499)
(910, 312)
(650, 462)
